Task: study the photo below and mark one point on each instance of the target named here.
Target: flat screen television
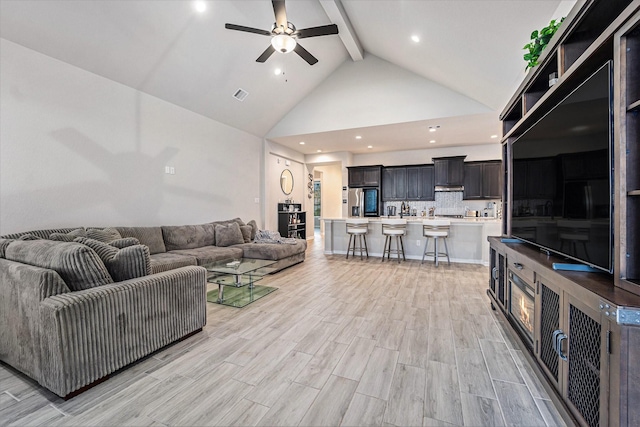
(562, 176)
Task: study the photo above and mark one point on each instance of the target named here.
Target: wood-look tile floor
(342, 342)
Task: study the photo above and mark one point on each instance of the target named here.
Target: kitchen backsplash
(446, 203)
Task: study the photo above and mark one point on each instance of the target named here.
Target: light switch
(256, 200)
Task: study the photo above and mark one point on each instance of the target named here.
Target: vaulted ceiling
(458, 76)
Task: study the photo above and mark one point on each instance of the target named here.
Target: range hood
(449, 188)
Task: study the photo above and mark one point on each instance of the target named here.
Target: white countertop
(418, 219)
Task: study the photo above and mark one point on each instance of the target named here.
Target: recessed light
(494, 136)
(433, 141)
(433, 128)
(319, 151)
(200, 6)
(277, 71)
(358, 137)
(301, 142)
(369, 146)
(415, 38)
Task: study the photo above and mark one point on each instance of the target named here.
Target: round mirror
(286, 181)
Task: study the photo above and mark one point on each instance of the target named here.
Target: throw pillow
(122, 264)
(188, 236)
(124, 242)
(246, 231)
(227, 235)
(28, 237)
(149, 236)
(105, 235)
(254, 229)
(68, 237)
(3, 246)
(78, 265)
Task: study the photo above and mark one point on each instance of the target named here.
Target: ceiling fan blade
(266, 54)
(304, 54)
(281, 13)
(323, 30)
(247, 29)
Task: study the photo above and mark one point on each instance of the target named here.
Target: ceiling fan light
(283, 43)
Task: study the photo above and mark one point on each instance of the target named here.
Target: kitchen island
(467, 239)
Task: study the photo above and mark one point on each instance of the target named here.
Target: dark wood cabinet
(534, 179)
(449, 170)
(482, 180)
(420, 182)
(292, 220)
(394, 184)
(364, 176)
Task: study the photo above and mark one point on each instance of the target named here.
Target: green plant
(539, 40)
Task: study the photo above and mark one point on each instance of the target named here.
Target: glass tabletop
(238, 265)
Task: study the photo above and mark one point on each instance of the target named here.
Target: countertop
(418, 219)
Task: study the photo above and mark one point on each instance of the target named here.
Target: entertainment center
(571, 200)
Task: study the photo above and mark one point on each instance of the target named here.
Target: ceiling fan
(284, 34)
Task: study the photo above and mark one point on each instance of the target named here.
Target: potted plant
(539, 40)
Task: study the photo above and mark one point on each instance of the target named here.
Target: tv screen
(562, 178)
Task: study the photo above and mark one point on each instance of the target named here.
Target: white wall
(332, 193)
(78, 149)
(415, 157)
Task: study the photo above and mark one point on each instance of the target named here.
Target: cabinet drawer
(521, 268)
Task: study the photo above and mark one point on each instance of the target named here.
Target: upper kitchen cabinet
(449, 170)
(364, 176)
(420, 182)
(482, 180)
(394, 184)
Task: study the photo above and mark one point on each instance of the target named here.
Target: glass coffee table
(239, 276)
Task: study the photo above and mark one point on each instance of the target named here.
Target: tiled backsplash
(446, 203)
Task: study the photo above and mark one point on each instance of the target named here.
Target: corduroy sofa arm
(92, 333)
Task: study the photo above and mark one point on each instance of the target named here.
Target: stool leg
(349, 246)
(446, 248)
(435, 250)
(364, 236)
(402, 246)
(424, 253)
(384, 248)
(398, 248)
(355, 239)
(360, 244)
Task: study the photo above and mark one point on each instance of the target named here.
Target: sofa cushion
(3, 246)
(125, 242)
(246, 233)
(229, 221)
(150, 236)
(166, 261)
(188, 236)
(228, 234)
(43, 234)
(272, 251)
(68, 237)
(209, 254)
(78, 265)
(105, 235)
(254, 229)
(29, 236)
(122, 264)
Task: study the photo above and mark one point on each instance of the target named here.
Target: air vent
(240, 94)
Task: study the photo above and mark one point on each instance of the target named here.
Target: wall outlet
(170, 170)
(417, 242)
(256, 200)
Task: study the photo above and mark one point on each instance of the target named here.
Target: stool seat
(394, 228)
(436, 229)
(357, 229)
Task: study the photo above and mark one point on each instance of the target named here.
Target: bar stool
(436, 229)
(357, 230)
(394, 228)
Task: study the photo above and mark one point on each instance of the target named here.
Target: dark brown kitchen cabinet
(482, 180)
(536, 179)
(364, 176)
(449, 170)
(394, 184)
(420, 182)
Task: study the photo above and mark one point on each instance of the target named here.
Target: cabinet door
(400, 183)
(356, 177)
(414, 183)
(371, 176)
(427, 179)
(441, 172)
(473, 180)
(586, 377)
(491, 182)
(388, 185)
(455, 172)
(548, 317)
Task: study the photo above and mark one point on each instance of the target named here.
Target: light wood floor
(342, 342)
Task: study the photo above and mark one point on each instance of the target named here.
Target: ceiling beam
(337, 15)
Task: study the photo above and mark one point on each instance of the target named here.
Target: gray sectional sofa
(78, 304)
